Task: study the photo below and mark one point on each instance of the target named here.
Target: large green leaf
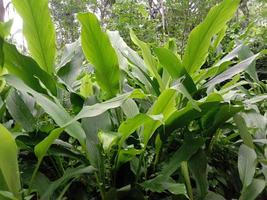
(251, 70)
(200, 38)
(174, 66)
(129, 57)
(56, 111)
(253, 190)
(149, 59)
(165, 105)
(243, 131)
(198, 166)
(98, 50)
(39, 31)
(99, 108)
(247, 161)
(27, 69)
(41, 149)
(20, 111)
(70, 63)
(8, 161)
(160, 184)
(240, 67)
(187, 114)
(131, 124)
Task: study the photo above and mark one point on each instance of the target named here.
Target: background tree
(65, 21)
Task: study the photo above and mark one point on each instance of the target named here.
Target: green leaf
(247, 161)
(198, 166)
(5, 28)
(56, 111)
(39, 31)
(165, 105)
(130, 108)
(27, 69)
(130, 125)
(182, 117)
(219, 38)
(98, 50)
(223, 113)
(161, 184)
(253, 190)
(184, 153)
(108, 139)
(233, 54)
(86, 88)
(128, 56)
(232, 71)
(243, 131)
(69, 174)
(174, 66)
(20, 111)
(245, 53)
(213, 196)
(99, 108)
(41, 149)
(9, 161)
(7, 195)
(70, 63)
(199, 40)
(126, 155)
(149, 60)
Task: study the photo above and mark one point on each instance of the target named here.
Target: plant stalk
(185, 173)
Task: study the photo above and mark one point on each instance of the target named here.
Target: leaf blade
(39, 31)
(96, 45)
(199, 39)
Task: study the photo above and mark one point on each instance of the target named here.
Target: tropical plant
(101, 121)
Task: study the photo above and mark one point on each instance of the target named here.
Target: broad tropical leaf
(174, 66)
(232, 71)
(247, 161)
(199, 39)
(198, 165)
(9, 161)
(20, 111)
(27, 69)
(149, 59)
(161, 184)
(253, 190)
(39, 31)
(56, 111)
(98, 50)
(164, 105)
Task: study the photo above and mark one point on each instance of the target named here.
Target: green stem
(139, 167)
(185, 173)
(101, 187)
(34, 175)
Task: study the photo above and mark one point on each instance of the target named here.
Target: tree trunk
(2, 11)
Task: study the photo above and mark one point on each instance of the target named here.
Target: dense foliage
(100, 120)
